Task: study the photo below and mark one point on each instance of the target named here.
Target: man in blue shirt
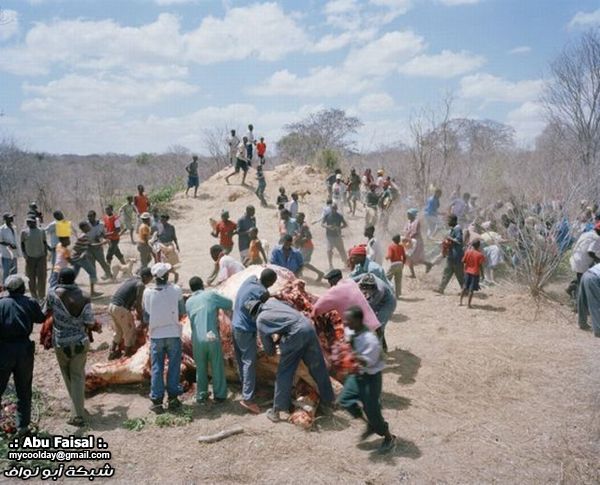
(244, 225)
(280, 324)
(431, 213)
(244, 333)
(453, 246)
(287, 256)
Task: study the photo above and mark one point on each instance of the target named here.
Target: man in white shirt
(250, 143)
(586, 253)
(9, 247)
(233, 142)
(374, 249)
(225, 265)
(241, 161)
(163, 307)
(292, 205)
(338, 192)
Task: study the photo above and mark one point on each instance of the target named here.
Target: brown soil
(504, 393)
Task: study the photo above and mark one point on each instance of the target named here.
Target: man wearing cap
(343, 294)
(244, 333)
(279, 323)
(17, 316)
(225, 265)
(35, 248)
(126, 299)
(333, 223)
(361, 264)
(286, 256)
(8, 246)
(143, 245)
(203, 309)
(224, 230)
(163, 307)
(381, 299)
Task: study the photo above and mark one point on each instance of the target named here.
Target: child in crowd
(396, 255)
(262, 185)
(256, 250)
(261, 149)
(364, 388)
(473, 261)
(282, 199)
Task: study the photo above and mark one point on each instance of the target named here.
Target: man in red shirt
(141, 201)
(224, 230)
(261, 149)
(473, 263)
(112, 232)
(396, 255)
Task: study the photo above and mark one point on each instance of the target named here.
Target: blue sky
(142, 75)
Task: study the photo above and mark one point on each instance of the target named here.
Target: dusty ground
(505, 393)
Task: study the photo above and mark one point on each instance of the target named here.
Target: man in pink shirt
(342, 295)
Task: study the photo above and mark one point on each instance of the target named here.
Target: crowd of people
(474, 243)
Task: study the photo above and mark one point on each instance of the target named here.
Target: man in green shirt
(202, 309)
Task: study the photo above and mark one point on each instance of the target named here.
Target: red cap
(597, 226)
(358, 251)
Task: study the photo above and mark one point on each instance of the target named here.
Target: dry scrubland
(506, 393)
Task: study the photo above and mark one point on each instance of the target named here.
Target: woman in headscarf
(412, 231)
(73, 319)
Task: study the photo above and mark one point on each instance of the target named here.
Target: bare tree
(572, 96)
(215, 140)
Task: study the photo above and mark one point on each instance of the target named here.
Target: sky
(131, 76)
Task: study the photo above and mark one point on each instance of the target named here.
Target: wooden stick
(213, 438)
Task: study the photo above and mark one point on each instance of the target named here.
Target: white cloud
(331, 42)
(522, 49)
(9, 24)
(85, 98)
(493, 88)
(375, 102)
(261, 31)
(527, 120)
(361, 68)
(447, 64)
(585, 19)
(105, 44)
(453, 3)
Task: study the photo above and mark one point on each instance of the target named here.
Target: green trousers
(364, 389)
(452, 269)
(205, 354)
(72, 368)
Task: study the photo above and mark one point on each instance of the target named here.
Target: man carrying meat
(342, 294)
(280, 324)
(244, 333)
(364, 388)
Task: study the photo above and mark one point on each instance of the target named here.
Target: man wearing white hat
(163, 307)
(338, 192)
